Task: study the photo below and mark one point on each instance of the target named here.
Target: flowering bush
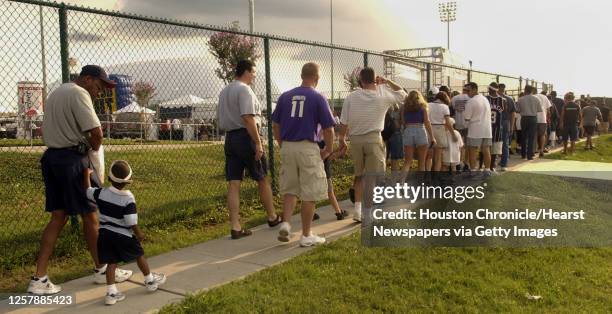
(144, 92)
(351, 79)
(230, 48)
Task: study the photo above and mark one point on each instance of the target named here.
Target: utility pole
(251, 15)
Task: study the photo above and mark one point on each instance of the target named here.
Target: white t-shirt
(458, 102)
(437, 111)
(478, 117)
(364, 109)
(452, 153)
(517, 125)
(545, 104)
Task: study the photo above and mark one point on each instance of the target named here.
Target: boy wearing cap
(70, 130)
(119, 236)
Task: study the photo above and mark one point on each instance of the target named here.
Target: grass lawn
(180, 195)
(601, 153)
(346, 276)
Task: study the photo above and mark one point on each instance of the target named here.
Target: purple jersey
(299, 112)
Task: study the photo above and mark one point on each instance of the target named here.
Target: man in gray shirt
(590, 115)
(239, 115)
(70, 129)
(528, 106)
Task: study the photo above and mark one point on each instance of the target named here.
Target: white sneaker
(311, 240)
(357, 216)
(121, 275)
(158, 279)
(503, 169)
(111, 299)
(284, 232)
(43, 287)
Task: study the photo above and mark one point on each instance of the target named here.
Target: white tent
(188, 107)
(184, 101)
(134, 107)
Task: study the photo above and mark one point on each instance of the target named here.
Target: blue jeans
(506, 138)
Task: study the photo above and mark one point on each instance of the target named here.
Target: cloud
(84, 36)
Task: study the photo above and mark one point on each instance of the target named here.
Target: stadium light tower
(448, 14)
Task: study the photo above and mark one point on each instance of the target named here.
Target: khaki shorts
(439, 133)
(603, 127)
(368, 153)
(302, 173)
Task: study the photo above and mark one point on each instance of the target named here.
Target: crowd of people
(447, 131)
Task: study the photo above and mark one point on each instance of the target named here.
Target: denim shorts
(415, 135)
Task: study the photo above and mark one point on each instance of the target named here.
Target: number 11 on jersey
(297, 101)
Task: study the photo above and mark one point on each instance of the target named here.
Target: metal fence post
(469, 77)
(269, 115)
(428, 77)
(63, 36)
(365, 59)
(520, 85)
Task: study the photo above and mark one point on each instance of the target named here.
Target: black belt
(81, 149)
(236, 130)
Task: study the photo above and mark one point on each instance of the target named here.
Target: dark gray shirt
(590, 115)
(528, 106)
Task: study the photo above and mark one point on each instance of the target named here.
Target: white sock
(149, 277)
(43, 278)
(111, 289)
(101, 269)
(358, 207)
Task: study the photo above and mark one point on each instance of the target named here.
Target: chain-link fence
(171, 140)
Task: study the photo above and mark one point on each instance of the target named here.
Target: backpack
(389, 129)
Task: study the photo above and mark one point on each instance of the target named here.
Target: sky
(565, 42)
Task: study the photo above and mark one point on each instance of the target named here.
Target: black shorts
(114, 247)
(62, 171)
(326, 162)
(589, 130)
(240, 155)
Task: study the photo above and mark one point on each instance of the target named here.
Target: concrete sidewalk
(197, 268)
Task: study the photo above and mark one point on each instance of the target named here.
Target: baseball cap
(97, 72)
(434, 90)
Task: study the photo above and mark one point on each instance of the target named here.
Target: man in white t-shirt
(542, 119)
(363, 118)
(458, 104)
(477, 115)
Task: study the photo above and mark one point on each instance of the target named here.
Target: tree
(351, 79)
(229, 48)
(144, 92)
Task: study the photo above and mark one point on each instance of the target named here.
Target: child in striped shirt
(119, 236)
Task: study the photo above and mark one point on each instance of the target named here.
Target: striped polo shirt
(117, 209)
(364, 110)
